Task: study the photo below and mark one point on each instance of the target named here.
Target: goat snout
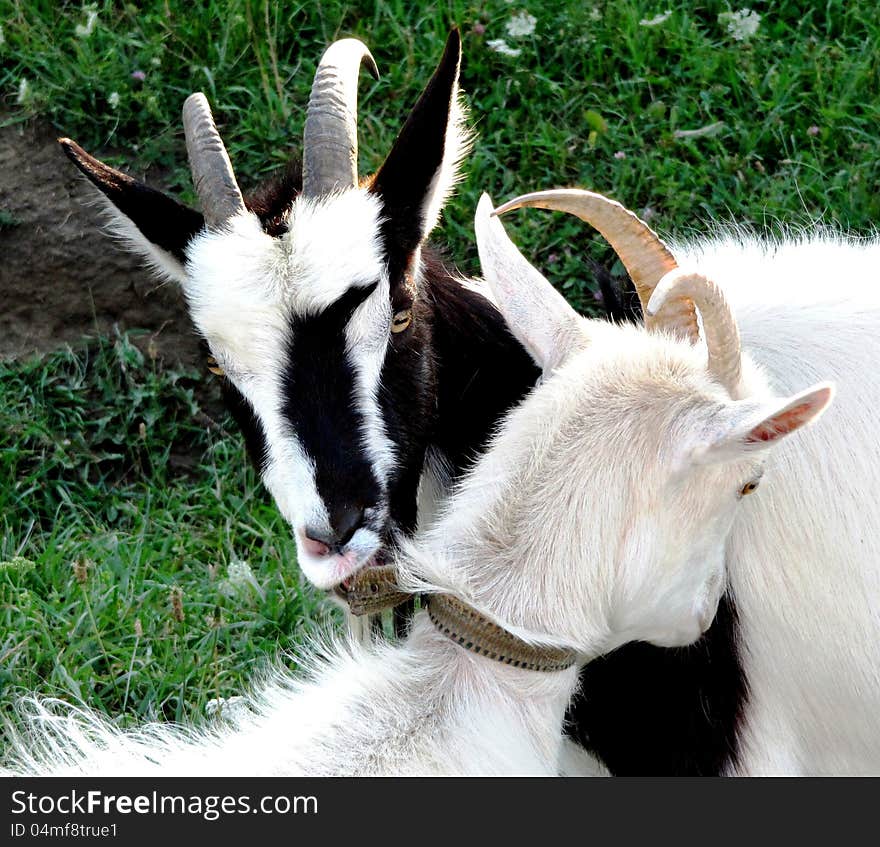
(345, 521)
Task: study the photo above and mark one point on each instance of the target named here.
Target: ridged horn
(719, 324)
(646, 258)
(212, 173)
(330, 145)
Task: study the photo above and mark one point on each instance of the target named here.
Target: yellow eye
(213, 367)
(749, 488)
(401, 320)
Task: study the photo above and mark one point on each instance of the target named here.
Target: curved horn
(719, 323)
(212, 172)
(330, 147)
(645, 257)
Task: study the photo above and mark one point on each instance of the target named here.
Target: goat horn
(645, 257)
(330, 147)
(212, 173)
(719, 324)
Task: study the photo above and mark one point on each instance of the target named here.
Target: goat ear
(421, 170)
(151, 223)
(535, 311)
(751, 427)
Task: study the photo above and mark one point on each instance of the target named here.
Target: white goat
(647, 564)
(803, 556)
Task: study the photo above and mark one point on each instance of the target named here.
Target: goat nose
(345, 521)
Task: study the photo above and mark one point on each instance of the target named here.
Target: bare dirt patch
(61, 276)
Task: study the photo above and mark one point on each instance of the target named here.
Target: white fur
(421, 708)
(804, 556)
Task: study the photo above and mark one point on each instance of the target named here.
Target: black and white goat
(364, 373)
(359, 367)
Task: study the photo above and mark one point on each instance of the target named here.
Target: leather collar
(473, 631)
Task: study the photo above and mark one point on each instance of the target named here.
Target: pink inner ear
(788, 420)
(764, 432)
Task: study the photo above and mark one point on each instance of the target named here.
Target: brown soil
(61, 276)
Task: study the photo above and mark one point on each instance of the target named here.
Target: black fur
(319, 403)
(619, 297)
(272, 200)
(447, 380)
(482, 370)
(248, 422)
(652, 711)
(408, 387)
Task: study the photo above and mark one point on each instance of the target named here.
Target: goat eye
(213, 367)
(401, 320)
(748, 488)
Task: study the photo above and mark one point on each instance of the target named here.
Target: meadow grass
(595, 98)
(121, 580)
(132, 577)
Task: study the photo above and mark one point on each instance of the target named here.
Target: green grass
(121, 575)
(595, 99)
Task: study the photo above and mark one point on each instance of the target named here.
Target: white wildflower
(741, 25)
(230, 708)
(2, 36)
(657, 19)
(86, 29)
(520, 25)
(24, 91)
(240, 580)
(499, 45)
(113, 99)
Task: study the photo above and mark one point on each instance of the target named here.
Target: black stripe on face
(319, 402)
